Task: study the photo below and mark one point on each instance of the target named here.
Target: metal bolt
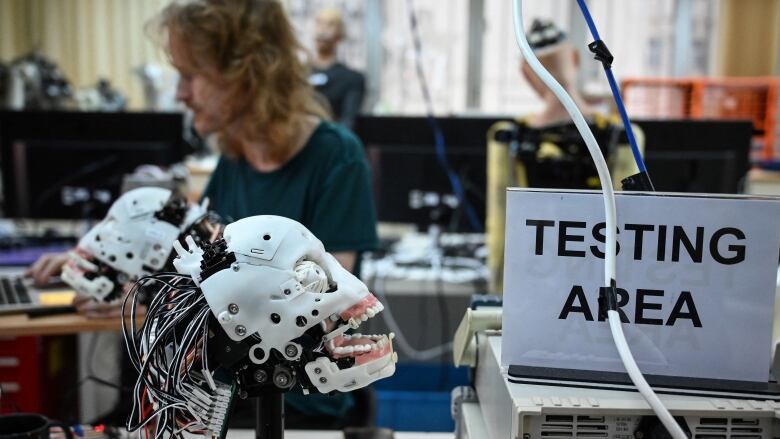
(281, 379)
(227, 349)
(242, 394)
(639, 435)
(317, 370)
(241, 330)
(260, 376)
(323, 380)
(291, 350)
(287, 291)
(235, 267)
(233, 308)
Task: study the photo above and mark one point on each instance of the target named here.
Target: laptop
(18, 295)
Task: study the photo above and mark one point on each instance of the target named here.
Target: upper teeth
(370, 312)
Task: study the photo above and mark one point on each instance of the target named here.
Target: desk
(16, 325)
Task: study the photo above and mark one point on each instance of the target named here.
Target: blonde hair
(252, 46)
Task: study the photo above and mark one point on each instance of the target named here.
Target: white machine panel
(523, 411)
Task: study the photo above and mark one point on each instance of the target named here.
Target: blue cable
(640, 164)
(441, 156)
(438, 134)
(589, 19)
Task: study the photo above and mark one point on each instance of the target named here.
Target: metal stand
(269, 416)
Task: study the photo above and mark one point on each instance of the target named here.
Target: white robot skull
(274, 289)
(134, 239)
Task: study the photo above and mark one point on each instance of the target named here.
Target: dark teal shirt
(326, 187)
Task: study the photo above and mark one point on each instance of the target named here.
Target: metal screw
(291, 350)
(260, 376)
(287, 291)
(242, 394)
(241, 330)
(227, 349)
(317, 370)
(235, 267)
(639, 435)
(323, 380)
(282, 379)
(154, 261)
(233, 308)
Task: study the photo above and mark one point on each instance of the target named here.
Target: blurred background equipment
(159, 86)
(409, 184)
(101, 97)
(37, 83)
(698, 156)
(71, 164)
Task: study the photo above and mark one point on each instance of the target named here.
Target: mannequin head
(562, 61)
(328, 31)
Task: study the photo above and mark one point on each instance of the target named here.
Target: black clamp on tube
(638, 182)
(601, 52)
(608, 299)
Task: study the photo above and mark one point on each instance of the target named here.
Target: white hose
(611, 223)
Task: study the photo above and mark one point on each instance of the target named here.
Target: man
(341, 86)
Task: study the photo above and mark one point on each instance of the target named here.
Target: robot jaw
(353, 360)
(91, 277)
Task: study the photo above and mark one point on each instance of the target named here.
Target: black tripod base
(269, 416)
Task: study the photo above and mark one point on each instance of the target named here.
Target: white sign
(696, 277)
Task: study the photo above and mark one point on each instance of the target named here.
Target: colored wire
(640, 164)
(438, 134)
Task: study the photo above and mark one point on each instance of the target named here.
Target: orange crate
(658, 98)
(754, 99)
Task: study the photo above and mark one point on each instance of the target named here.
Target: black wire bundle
(169, 350)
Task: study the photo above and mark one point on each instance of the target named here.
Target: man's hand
(48, 265)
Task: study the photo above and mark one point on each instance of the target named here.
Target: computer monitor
(70, 165)
(405, 167)
(697, 156)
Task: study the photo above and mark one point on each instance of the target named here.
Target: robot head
(135, 239)
(277, 293)
(263, 309)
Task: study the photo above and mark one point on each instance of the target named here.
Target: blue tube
(438, 135)
(640, 164)
(457, 187)
(589, 19)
